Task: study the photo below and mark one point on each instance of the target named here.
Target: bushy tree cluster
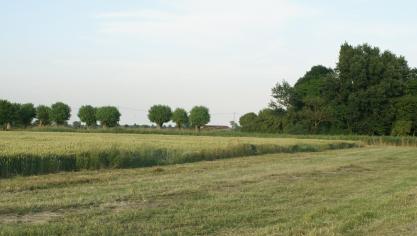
(22, 115)
(266, 121)
(369, 92)
(108, 116)
(198, 117)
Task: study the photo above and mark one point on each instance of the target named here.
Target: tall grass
(32, 164)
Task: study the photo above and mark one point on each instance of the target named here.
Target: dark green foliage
(402, 127)
(282, 94)
(25, 114)
(7, 113)
(271, 121)
(406, 116)
(76, 124)
(368, 82)
(315, 112)
(249, 122)
(43, 115)
(267, 121)
(87, 114)
(406, 108)
(160, 114)
(60, 113)
(367, 93)
(199, 116)
(311, 85)
(180, 117)
(108, 116)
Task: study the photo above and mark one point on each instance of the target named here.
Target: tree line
(198, 116)
(23, 115)
(369, 92)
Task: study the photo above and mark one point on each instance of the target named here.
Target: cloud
(203, 20)
(147, 14)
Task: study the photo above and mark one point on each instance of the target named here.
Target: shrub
(402, 128)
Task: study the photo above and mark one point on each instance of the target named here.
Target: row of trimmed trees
(369, 92)
(198, 116)
(15, 114)
(22, 115)
(108, 116)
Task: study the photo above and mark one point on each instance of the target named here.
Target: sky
(223, 54)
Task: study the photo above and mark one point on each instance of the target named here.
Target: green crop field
(71, 143)
(28, 153)
(361, 191)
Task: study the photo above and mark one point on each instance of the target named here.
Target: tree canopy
(199, 116)
(87, 114)
(180, 117)
(108, 116)
(43, 114)
(25, 114)
(60, 113)
(7, 113)
(160, 114)
(369, 92)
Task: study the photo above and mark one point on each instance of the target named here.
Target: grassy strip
(410, 141)
(27, 164)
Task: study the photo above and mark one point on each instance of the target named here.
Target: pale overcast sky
(224, 54)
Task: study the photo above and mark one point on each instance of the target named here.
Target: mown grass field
(361, 191)
(28, 153)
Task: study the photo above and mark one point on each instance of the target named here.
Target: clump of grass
(158, 169)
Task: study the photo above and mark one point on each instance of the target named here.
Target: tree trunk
(197, 128)
(158, 126)
(178, 126)
(8, 126)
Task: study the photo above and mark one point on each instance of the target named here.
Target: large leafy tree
(249, 122)
(271, 120)
(7, 113)
(367, 84)
(43, 115)
(406, 116)
(312, 84)
(87, 114)
(301, 102)
(369, 92)
(180, 117)
(26, 113)
(315, 112)
(160, 114)
(282, 94)
(108, 116)
(60, 113)
(199, 116)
